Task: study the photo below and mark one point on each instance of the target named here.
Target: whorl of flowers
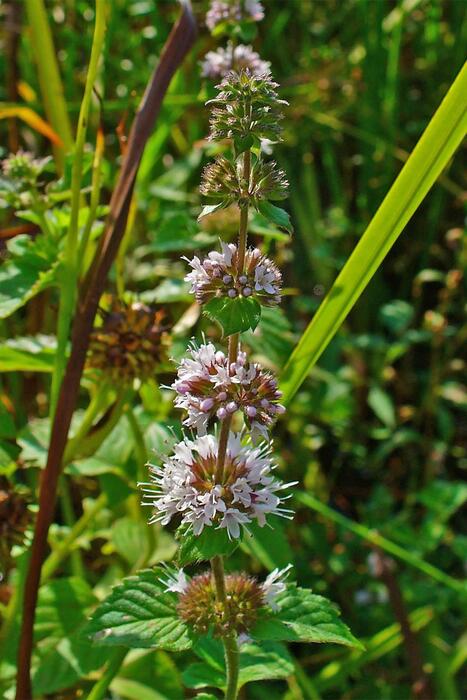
(218, 276)
(130, 342)
(187, 485)
(216, 64)
(247, 107)
(23, 168)
(224, 180)
(233, 11)
(246, 598)
(210, 387)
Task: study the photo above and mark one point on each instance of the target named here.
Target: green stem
(97, 404)
(94, 198)
(70, 266)
(66, 503)
(376, 539)
(54, 560)
(232, 656)
(100, 689)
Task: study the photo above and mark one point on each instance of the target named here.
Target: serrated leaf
(275, 215)
(32, 268)
(305, 617)
(139, 613)
(234, 315)
(210, 543)
(266, 661)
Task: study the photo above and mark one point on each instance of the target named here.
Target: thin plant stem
(100, 689)
(54, 560)
(229, 641)
(70, 267)
(232, 660)
(94, 198)
(66, 503)
(374, 538)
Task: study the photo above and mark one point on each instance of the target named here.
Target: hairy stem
(230, 642)
(217, 563)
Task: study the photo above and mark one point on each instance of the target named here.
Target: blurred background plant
(376, 434)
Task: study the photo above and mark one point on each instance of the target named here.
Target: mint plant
(220, 478)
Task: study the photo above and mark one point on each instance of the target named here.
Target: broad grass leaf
(139, 613)
(304, 617)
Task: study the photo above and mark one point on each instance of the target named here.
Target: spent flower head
(188, 485)
(130, 342)
(208, 386)
(218, 276)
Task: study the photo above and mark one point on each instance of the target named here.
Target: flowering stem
(229, 641)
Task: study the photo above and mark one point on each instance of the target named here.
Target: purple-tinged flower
(233, 11)
(218, 276)
(187, 485)
(217, 64)
(208, 386)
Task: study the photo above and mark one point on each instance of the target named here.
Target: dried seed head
(200, 609)
(130, 343)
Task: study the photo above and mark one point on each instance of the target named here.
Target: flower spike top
(233, 11)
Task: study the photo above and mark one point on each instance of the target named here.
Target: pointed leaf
(210, 209)
(305, 617)
(234, 315)
(210, 543)
(139, 613)
(275, 215)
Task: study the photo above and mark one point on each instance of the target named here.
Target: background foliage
(376, 435)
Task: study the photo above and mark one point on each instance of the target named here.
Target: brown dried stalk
(180, 41)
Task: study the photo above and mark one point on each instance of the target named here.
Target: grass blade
(436, 147)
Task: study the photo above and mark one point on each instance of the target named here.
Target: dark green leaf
(139, 613)
(305, 617)
(267, 661)
(210, 543)
(234, 315)
(275, 215)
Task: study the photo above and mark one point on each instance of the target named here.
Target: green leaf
(382, 405)
(304, 617)
(265, 661)
(275, 215)
(433, 152)
(234, 315)
(210, 209)
(139, 613)
(133, 690)
(32, 268)
(28, 354)
(130, 539)
(210, 543)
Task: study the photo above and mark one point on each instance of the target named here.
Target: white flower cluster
(217, 64)
(218, 275)
(186, 485)
(233, 10)
(208, 386)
